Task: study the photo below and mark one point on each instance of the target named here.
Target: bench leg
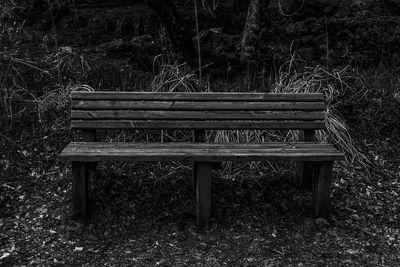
(322, 189)
(198, 136)
(194, 171)
(214, 166)
(305, 174)
(80, 192)
(203, 194)
(305, 169)
(90, 136)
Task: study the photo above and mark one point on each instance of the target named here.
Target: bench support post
(79, 190)
(322, 189)
(82, 173)
(305, 169)
(90, 136)
(203, 194)
(198, 136)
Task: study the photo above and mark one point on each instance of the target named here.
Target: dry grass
(323, 81)
(332, 84)
(175, 78)
(32, 85)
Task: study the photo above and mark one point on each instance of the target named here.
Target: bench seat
(210, 152)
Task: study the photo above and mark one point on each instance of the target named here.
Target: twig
(29, 65)
(198, 36)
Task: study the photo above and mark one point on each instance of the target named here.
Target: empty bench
(199, 112)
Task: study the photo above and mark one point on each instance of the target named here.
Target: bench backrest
(147, 110)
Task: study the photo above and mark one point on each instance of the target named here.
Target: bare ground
(143, 215)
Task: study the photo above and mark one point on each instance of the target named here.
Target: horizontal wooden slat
(185, 105)
(263, 97)
(197, 115)
(87, 151)
(204, 125)
(193, 145)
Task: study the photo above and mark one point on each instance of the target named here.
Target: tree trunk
(178, 34)
(251, 30)
(241, 5)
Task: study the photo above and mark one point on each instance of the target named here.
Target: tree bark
(178, 34)
(251, 29)
(241, 5)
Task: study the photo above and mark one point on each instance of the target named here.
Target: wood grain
(193, 96)
(80, 151)
(189, 124)
(185, 105)
(196, 115)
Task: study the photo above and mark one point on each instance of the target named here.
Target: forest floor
(143, 214)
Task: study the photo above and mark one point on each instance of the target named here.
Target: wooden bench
(199, 112)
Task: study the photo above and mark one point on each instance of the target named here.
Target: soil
(143, 214)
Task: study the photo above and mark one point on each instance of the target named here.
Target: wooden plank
(203, 194)
(197, 115)
(200, 148)
(201, 152)
(79, 191)
(83, 149)
(322, 190)
(204, 155)
(210, 125)
(185, 105)
(215, 96)
(189, 145)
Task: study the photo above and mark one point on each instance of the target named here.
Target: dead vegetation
(143, 212)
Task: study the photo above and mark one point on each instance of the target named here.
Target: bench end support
(203, 194)
(322, 189)
(80, 192)
(305, 169)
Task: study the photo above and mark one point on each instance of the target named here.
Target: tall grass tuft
(333, 84)
(175, 78)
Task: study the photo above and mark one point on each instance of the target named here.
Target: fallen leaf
(5, 255)
(352, 251)
(355, 217)
(321, 222)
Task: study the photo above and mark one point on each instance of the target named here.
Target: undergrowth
(32, 87)
(36, 81)
(141, 223)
